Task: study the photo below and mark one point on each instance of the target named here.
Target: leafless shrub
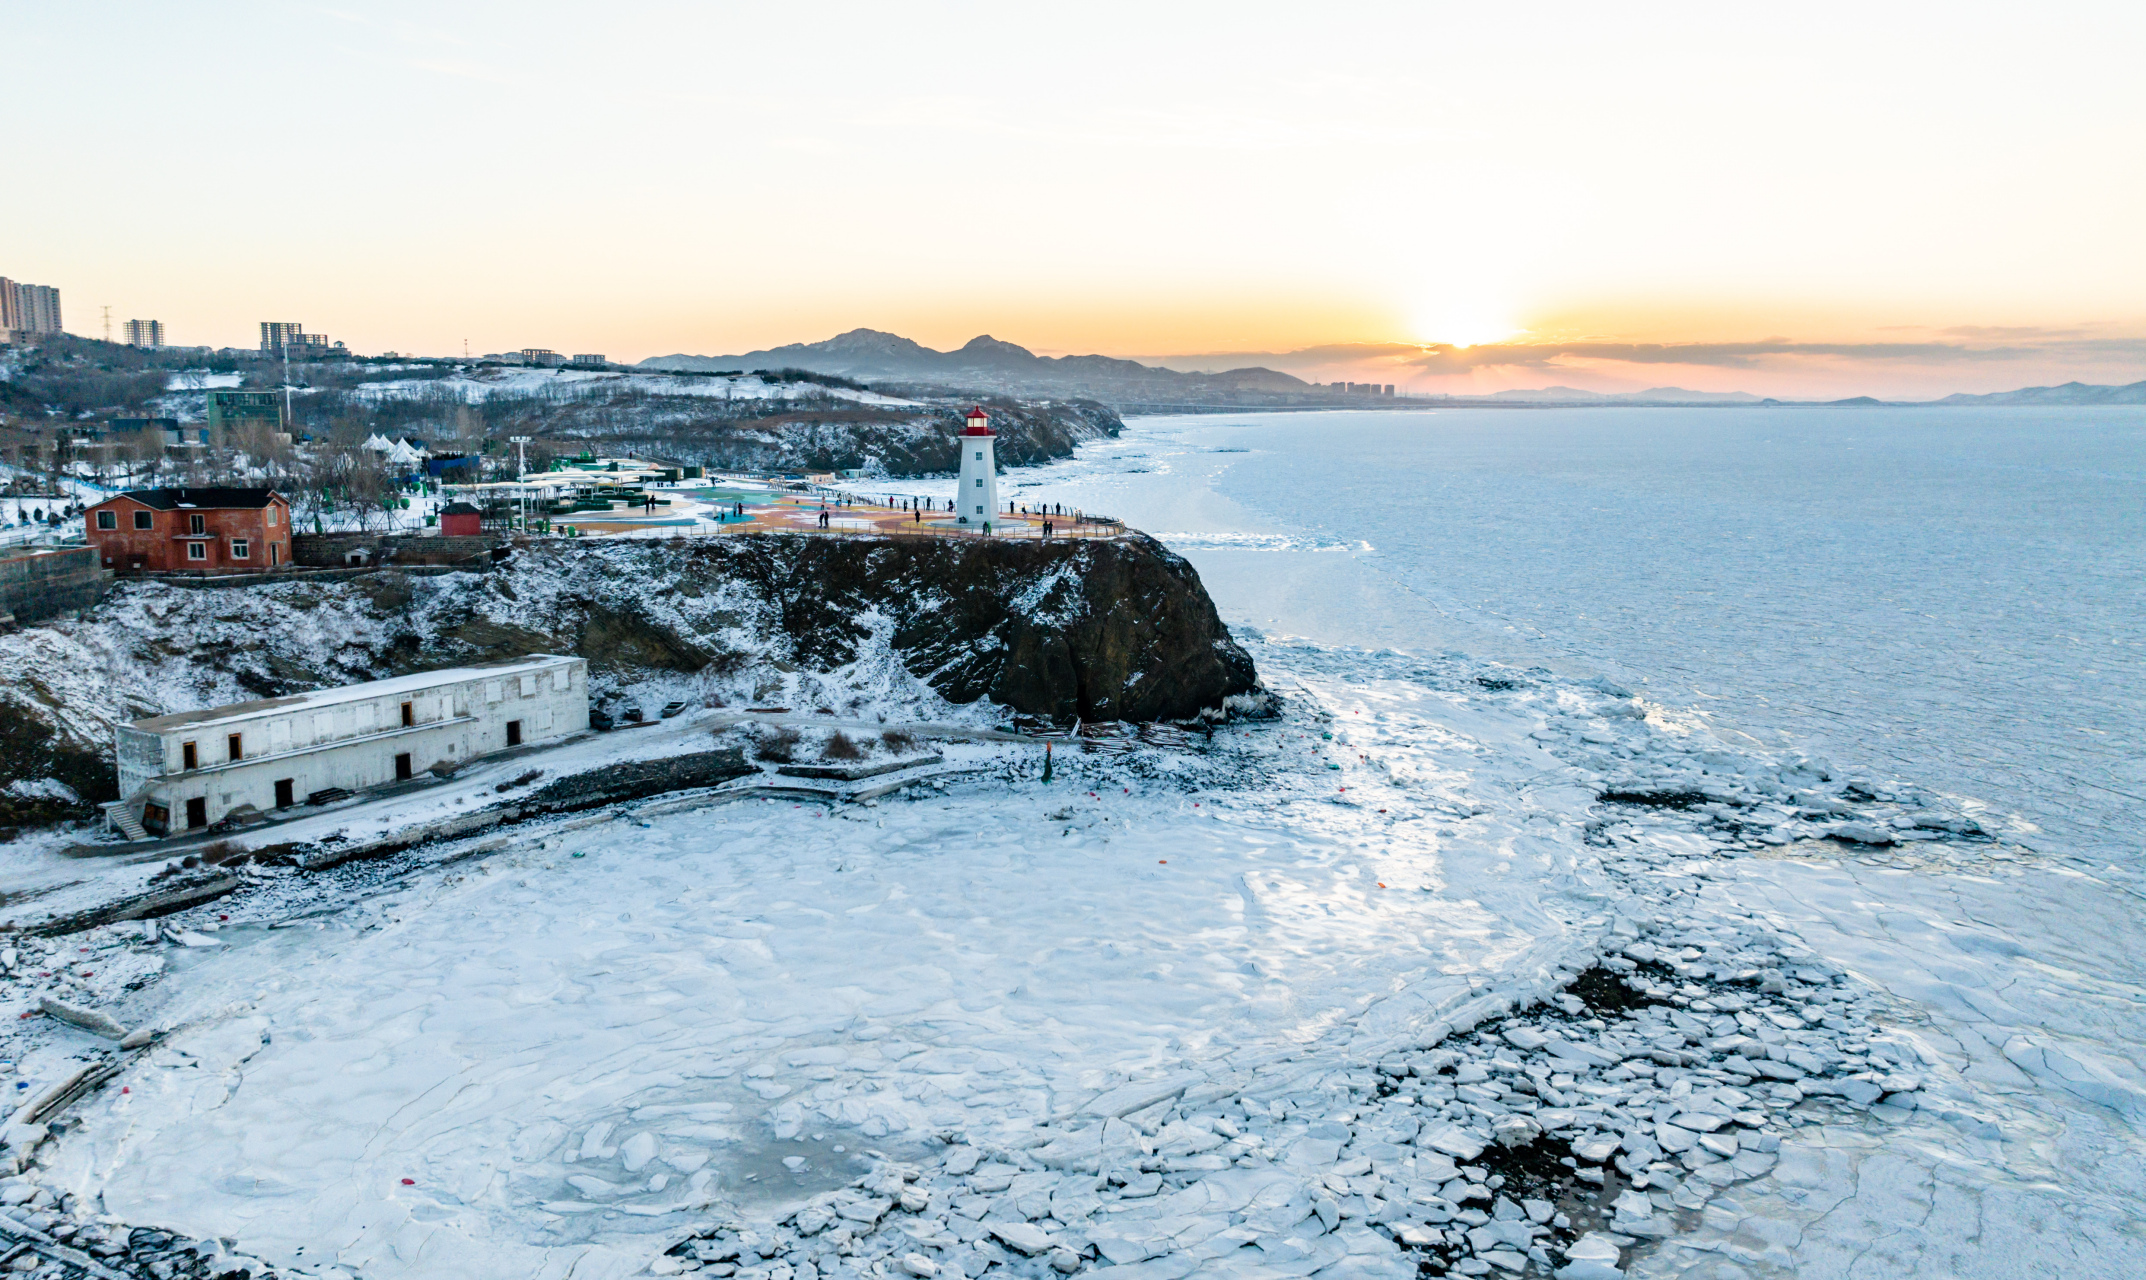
(779, 747)
(899, 741)
(840, 747)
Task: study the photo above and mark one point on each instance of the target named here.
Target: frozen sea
(1948, 595)
(552, 1055)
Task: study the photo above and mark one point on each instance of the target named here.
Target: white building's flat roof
(297, 702)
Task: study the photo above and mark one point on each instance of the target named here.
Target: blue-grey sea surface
(1949, 597)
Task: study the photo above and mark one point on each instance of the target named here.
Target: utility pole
(521, 448)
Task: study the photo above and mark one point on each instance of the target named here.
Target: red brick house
(191, 530)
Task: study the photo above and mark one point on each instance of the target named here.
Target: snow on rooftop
(413, 683)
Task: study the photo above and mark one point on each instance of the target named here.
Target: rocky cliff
(904, 628)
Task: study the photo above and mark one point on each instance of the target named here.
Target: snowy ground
(714, 1014)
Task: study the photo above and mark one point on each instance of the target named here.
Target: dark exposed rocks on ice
(1548, 1125)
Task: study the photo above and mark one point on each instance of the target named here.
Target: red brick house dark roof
(171, 499)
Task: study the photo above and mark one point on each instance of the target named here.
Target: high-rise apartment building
(278, 334)
(147, 334)
(29, 308)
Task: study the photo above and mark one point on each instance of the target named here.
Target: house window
(409, 714)
(241, 549)
(271, 515)
(189, 757)
(107, 519)
(144, 520)
(197, 550)
(197, 524)
(529, 686)
(236, 744)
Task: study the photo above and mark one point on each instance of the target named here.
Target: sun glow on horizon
(1464, 328)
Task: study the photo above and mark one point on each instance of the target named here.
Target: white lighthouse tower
(977, 501)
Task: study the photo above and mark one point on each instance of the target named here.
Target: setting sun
(1463, 328)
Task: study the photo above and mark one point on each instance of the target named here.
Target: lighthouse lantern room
(977, 502)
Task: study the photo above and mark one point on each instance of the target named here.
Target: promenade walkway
(703, 512)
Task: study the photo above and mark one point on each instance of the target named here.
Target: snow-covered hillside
(1104, 630)
(477, 386)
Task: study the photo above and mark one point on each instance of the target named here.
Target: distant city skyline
(1844, 199)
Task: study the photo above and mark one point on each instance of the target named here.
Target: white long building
(192, 768)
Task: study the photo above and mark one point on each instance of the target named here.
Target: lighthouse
(977, 500)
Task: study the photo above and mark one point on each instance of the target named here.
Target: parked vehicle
(672, 708)
(601, 721)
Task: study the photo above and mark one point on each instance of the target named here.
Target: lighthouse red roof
(979, 423)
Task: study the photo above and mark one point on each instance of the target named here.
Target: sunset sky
(1790, 200)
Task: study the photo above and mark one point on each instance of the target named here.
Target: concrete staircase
(120, 813)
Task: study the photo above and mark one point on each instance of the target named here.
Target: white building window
(197, 550)
(529, 688)
(979, 455)
(979, 482)
(494, 691)
(241, 549)
(366, 712)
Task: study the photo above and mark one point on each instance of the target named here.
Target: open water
(1952, 597)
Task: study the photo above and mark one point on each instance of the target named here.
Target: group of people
(916, 507)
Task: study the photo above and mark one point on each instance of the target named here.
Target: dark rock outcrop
(1101, 630)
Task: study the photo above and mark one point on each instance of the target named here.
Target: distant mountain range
(2069, 393)
(987, 364)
